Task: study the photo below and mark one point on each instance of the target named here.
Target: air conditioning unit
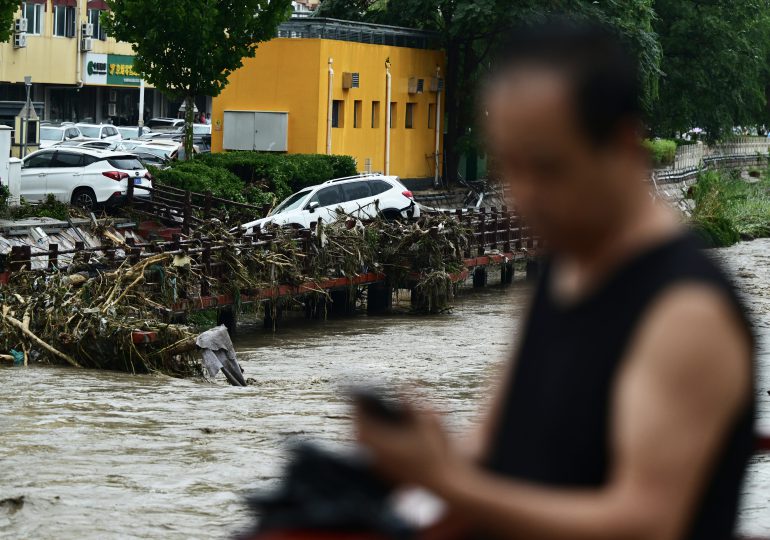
(19, 40)
(416, 86)
(436, 84)
(86, 30)
(86, 44)
(20, 25)
(351, 80)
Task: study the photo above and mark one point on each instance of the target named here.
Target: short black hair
(603, 73)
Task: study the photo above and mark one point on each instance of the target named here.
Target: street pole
(25, 123)
(141, 106)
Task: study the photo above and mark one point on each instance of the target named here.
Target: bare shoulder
(693, 340)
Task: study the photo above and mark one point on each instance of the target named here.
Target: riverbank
(730, 207)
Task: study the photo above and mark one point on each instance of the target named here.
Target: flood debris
(87, 314)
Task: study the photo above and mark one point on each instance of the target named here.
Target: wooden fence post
(130, 192)
(187, 213)
(53, 256)
(207, 205)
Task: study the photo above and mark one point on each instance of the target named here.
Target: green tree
(471, 31)
(189, 48)
(714, 65)
(8, 9)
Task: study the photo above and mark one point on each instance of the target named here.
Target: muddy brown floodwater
(104, 455)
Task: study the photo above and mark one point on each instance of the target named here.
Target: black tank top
(554, 428)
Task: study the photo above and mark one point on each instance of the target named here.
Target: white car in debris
(361, 196)
(85, 177)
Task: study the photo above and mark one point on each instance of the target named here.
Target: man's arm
(685, 378)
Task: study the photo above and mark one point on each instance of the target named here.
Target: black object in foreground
(327, 492)
(379, 405)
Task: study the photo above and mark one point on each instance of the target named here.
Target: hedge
(255, 177)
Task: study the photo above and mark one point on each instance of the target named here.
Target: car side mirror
(312, 206)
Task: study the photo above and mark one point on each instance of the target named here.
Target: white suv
(82, 176)
(50, 135)
(361, 196)
(106, 132)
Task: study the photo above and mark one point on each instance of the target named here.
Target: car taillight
(407, 194)
(115, 175)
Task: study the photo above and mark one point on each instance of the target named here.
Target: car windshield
(292, 203)
(201, 129)
(51, 134)
(90, 131)
(128, 132)
(126, 163)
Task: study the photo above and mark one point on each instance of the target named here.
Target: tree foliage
(714, 65)
(8, 9)
(472, 31)
(189, 48)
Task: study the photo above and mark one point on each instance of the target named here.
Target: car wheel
(84, 198)
(391, 214)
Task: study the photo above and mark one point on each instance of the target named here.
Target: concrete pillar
(229, 317)
(342, 304)
(533, 269)
(479, 277)
(379, 298)
(506, 273)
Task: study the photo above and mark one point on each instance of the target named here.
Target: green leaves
(190, 47)
(7, 12)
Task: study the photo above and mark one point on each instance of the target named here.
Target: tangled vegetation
(50, 208)
(662, 151)
(85, 315)
(729, 209)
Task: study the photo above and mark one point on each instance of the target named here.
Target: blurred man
(628, 409)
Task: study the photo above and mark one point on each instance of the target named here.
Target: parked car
(105, 132)
(168, 124)
(355, 195)
(84, 142)
(132, 132)
(82, 176)
(50, 135)
(148, 158)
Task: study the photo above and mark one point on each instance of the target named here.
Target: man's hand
(415, 451)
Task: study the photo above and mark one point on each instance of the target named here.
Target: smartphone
(379, 405)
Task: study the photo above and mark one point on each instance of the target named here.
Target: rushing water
(104, 455)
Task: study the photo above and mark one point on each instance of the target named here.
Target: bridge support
(315, 307)
(506, 273)
(273, 314)
(342, 302)
(479, 277)
(533, 269)
(379, 298)
(229, 317)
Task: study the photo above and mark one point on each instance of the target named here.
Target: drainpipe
(78, 37)
(438, 128)
(387, 116)
(330, 109)
(141, 106)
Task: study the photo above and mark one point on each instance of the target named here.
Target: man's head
(564, 128)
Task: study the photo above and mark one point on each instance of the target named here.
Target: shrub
(662, 151)
(281, 174)
(200, 177)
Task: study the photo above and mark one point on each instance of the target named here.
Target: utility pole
(25, 124)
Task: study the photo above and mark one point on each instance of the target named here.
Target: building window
(357, 112)
(409, 116)
(64, 21)
(431, 116)
(34, 15)
(375, 114)
(338, 113)
(393, 114)
(94, 18)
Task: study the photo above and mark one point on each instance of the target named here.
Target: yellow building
(325, 86)
(78, 72)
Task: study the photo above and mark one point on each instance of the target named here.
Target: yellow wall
(292, 75)
(50, 59)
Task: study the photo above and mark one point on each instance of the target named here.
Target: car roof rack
(356, 177)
